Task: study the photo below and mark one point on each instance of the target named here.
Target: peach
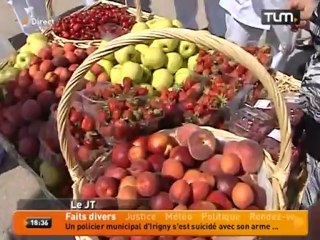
(200, 190)
(181, 153)
(141, 141)
(91, 50)
(202, 205)
(161, 201)
(106, 187)
(226, 183)
(57, 51)
(139, 166)
(192, 175)
(172, 169)
(128, 181)
(103, 78)
(183, 133)
(137, 153)
(115, 172)
(46, 100)
(202, 144)
(45, 53)
(212, 165)
(69, 47)
(33, 69)
(8, 129)
(72, 58)
(230, 147)
(180, 192)
(46, 66)
(156, 161)
(64, 75)
(35, 60)
(60, 61)
(220, 200)
(96, 69)
(205, 177)
(230, 164)
(41, 85)
(81, 54)
(31, 110)
(88, 191)
(24, 79)
(180, 207)
(251, 155)
(160, 143)
(39, 75)
(73, 67)
(243, 195)
(28, 147)
(127, 197)
(148, 184)
(120, 155)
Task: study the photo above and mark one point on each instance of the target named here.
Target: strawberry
(116, 114)
(264, 59)
(141, 91)
(127, 84)
(106, 94)
(127, 114)
(75, 116)
(87, 123)
(188, 84)
(120, 129)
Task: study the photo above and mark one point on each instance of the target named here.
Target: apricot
(212, 165)
(161, 201)
(115, 172)
(226, 183)
(156, 161)
(230, 147)
(192, 175)
(180, 207)
(205, 177)
(200, 190)
(173, 169)
(251, 155)
(230, 164)
(139, 166)
(220, 200)
(148, 184)
(106, 187)
(202, 205)
(128, 181)
(88, 191)
(127, 197)
(260, 194)
(137, 153)
(202, 144)
(181, 153)
(180, 192)
(183, 133)
(242, 195)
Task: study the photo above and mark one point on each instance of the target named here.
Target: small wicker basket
(278, 173)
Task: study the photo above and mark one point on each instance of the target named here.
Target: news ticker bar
(160, 223)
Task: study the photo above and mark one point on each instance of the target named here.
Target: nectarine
(242, 195)
(148, 184)
(180, 192)
(173, 169)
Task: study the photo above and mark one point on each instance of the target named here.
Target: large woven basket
(137, 12)
(278, 173)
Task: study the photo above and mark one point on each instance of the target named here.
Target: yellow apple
(116, 74)
(181, 76)
(153, 58)
(141, 47)
(139, 26)
(90, 77)
(146, 74)
(106, 64)
(176, 23)
(128, 53)
(132, 70)
(167, 45)
(159, 23)
(174, 62)
(192, 62)
(23, 60)
(161, 79)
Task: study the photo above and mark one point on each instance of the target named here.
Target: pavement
(16, 182)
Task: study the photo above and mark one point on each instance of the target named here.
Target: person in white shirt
(243, 27)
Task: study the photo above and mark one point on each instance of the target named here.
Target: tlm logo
(280, 17)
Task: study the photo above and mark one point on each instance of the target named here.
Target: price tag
(275, 134)
(263, 104)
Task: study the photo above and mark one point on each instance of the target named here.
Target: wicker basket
(140, 16)
(278, 174)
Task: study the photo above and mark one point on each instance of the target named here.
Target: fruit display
(184, 168)
(95, 23)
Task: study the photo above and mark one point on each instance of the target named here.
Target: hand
(305, 6)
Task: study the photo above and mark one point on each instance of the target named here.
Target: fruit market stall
(91, 114)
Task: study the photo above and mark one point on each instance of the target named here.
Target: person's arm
(305, 6)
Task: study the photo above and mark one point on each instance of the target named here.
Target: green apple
(7, 74)
(149, 87)
(24, 48)
(106, 64)
(167, 45)
(139, 26)
(174, 62)
(116, 74)
(187, 49)
(128, 53)
(36, 37)
(146, 74)
(153, 58)
(161, 79)
(23, 60)
(192, 62)
(51, 175)
(89, 76)
(159, 23)
(141, 47)
(176, 23)
(181, 75)
(132, 70)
